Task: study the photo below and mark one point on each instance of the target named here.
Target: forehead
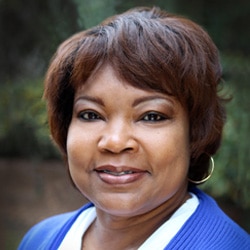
(108, 71)
(104, 80)
(106, 85)
(106, 77)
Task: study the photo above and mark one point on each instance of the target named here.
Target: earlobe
(198, 182)
(199, 168)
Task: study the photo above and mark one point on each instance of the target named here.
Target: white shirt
(158, 240)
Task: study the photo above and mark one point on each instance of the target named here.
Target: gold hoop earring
(206, 178)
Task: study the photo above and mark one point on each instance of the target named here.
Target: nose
(117, 137)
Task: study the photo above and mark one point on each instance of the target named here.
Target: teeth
(118, 173)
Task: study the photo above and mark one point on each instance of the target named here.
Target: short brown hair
(150, 49)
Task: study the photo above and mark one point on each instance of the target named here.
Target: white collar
(158, 240)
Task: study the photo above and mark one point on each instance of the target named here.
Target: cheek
(75, 147)
(76, 139)
(81, 149)
(77, 160)
(72, 145)
(171, 152)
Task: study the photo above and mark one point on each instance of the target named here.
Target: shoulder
(210, 228)
(49, 233)
(220, 229)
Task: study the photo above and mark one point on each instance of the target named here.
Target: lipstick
(119, 175)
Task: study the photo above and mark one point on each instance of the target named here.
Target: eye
(89, 116)
(153, 117)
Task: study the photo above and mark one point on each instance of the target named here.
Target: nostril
(129, 149)
(116, 146)
(117, 150)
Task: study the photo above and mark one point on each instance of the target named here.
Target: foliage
(225, 20)
(23, 130)
(90, 13)
(31, 30)
(232, 175)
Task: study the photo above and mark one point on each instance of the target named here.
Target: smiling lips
(119, 175)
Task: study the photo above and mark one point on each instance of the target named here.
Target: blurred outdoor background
(33, 179)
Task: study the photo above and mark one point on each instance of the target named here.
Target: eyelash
(92, 116)
(153, 117)
(147, 117)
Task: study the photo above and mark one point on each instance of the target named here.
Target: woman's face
(128, 149)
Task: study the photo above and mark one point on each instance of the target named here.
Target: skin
(120, 127)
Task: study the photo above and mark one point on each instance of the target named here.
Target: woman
(134, 108)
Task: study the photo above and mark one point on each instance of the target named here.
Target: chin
(120, 207)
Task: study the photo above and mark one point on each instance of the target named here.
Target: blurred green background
(30, 33)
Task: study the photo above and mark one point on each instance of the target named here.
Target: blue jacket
(208, 228)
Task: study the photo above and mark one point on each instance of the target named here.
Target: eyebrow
(150, 98)
(91, 99)
(134, 104)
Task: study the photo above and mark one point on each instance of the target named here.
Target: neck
(109, 231)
